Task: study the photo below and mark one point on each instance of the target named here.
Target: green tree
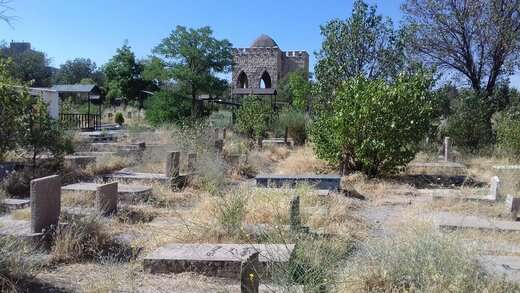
(376, 125)
(29, 66)
(123, 75)
(296, 88)
(167, 107)
(74, 71)
(194, 57)
(365, 44)
(253, 117)
(12, 100)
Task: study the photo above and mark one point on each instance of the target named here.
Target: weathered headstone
(294, 214)
(224, 133)
(249, 279)
(129, 115)
(45, 203)
(447, 149)
(509, 181)
(192, 160)
(512, 207)
(217, 133)
(173, 164)
(106, 199)
(493, 191)
(219, 146)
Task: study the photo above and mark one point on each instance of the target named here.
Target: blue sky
(66, 29)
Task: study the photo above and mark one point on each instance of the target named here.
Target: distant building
(17, 48)
(259, 69)
(79, 92)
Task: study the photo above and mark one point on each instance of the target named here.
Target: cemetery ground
(372, 235)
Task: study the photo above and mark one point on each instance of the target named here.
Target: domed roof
(264, 41)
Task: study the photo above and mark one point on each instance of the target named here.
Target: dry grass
(78, 199)
(107, 164)
(21, 215)
(482, 167)
(302, 161)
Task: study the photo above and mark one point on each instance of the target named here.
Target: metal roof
(74, 88)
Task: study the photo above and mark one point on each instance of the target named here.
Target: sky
(67, 29)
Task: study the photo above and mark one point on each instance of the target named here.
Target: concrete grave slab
(12, 204)
(19, 229)
(328, 182)
(502, 266)
(451, 221)
(220, 260)
(135, 177)
(127, 193)
(77, 161)
(449, 169)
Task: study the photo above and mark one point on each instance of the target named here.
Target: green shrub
(374, 126)
(295, 121)
(508, 133)
(119, 119)
(167, 107)
(253, 117)
(469, 125)
(232, 211)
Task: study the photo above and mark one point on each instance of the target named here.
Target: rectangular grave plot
(325, 182)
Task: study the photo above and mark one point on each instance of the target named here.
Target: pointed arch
(242, 81)
(265, 81)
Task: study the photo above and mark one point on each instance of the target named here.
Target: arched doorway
(265, 81)
(242, 81)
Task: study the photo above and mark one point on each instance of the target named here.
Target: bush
(295, 122)
(167, 107)
(119, 119)
(253, 117)
(374, 126)
(18, 262)
(508, 133)
(469, 125)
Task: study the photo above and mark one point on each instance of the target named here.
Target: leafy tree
(11, 106)
(376, 126)
(295, 122)
(364, 44)
(29, 66)
(297, 89)
(508, 132)
(123, 75)
(167, 107)
(479, 39)
(193, 57)
(155, 71)
(253, 117)
(119, 119)
(77, 70)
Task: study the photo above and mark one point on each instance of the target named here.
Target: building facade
(259, 69)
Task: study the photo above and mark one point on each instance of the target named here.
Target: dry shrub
(19, 262)
(302, 161)
(78, 199)
(261, 161)
(21, 215)
(482, 167)
(374, 188)
(107, 164)
(164, 197)
(134, 215)
(419, 259)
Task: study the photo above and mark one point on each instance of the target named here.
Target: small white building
(51, 97)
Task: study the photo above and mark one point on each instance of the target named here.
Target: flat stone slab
(220, 260)
(502, 266)
(12, 204)
(95, 154)
(436, 169)
(18, 228)
(137, 177)
(321, 182)
(455, 222)
(125, 191)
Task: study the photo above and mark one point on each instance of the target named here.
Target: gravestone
(447, 149)
(493, 191)
(224, 133)
(249, 279)
(217, 133)
(219, 260)
(129, 115)
(512, 206)
(449, 221)
(509, 181)
(192, 160)
(219, 146)
(172, 164)
(106, 199)
(45, 203)
(294, 214)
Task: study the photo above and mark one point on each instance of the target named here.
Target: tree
(123, 75)
(296, 88)
(376, 125)
(74, 71)
(29, 66)
(167, 107)
(476, 38)
(253, 117)
(364, 44)
(194, 57)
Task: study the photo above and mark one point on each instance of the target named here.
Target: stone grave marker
(512, 206)
(249, 279)
(45, 203)
(219, 260)
(192, 160)
(447, 149)
(106, 199)
(219, 146)
(509, 181)
(172, 164)
(294, 214)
